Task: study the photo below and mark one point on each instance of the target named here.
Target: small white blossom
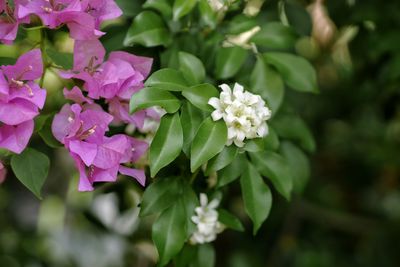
(206, 219)
(244, 113)
(217, 5)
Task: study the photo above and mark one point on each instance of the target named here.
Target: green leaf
(297, 72)
(152, 96)
(147, 29)
(200, 94)
(160, 195)
(207, 14)
(191, 118)
(46, 134)
(229, 220)
(182, 8)
(229, 60)
(161, 6)
(167, 79)
(190, 202)
(7, 61)
(241, 23)
(275, 35)
(294, 128)
(271, 141)
(299, 165)
(128, 7)
(205, 256)
(222, 160)
(257, 196)
(31, 167)
(169, 233)
(64, 60)
(266, 82)
(254, 145)
(186, 256)
(40, 121)
(276, 168)
(167, 143)
(233, 171)
(210, 139)
(191, 67)
(298, 17)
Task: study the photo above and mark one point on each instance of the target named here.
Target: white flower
(217, 5)
(206, 219)
(244, 113)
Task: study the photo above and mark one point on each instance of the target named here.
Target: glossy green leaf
(209, 140)
(147, 29)
(167, 79)
(223, 159)
(40, 121)
(294, 128)
(152, 96)
(229, 220)
(297, 72)
(233, 171)
(169, 233)
(268, 83)
(162, 6)
(276, 169)
(229, 60)
(64, 60)
(191, 119)
(299, 165)
(191, 67)
(199, 96)
(31, 167)
(182, 8)
(275, 35)
(257, 196)
(160, 195)
(167, 143)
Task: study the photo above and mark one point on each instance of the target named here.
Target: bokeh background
(348, 214)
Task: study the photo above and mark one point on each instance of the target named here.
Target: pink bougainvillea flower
(101, 10)
(76, 95)
(98, 158)
(115, 79)
(9, 21)
(3, 173)
(55, 13)
(20, 100)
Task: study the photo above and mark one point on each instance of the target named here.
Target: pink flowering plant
(191, 101)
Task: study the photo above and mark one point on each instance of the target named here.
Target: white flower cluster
(206, 219)
(244, 113)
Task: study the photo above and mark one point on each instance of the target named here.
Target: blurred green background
(348, 215)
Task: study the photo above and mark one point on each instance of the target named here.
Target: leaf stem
(44, 57)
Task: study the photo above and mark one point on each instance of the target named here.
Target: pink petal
(16, 138)
(139, 175)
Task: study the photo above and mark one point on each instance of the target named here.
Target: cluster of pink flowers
(82, 126)
(82, 17)
(20, 100)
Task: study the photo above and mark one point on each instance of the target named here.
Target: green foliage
(229, 60)
(147, 29)
(257, 196)
(31, 168)
(191, 67)
(152, 96)
(209, 140)
(167, 79)
(64, 60)
(297, 72)
(167, 143)
(200, 94)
